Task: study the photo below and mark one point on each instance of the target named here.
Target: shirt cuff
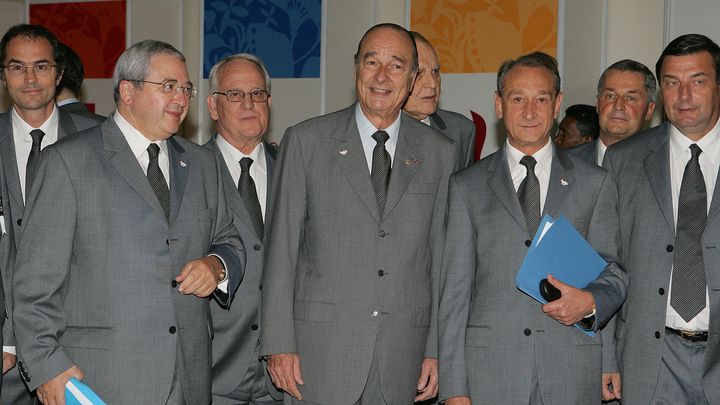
(10, 349)
(223, 286)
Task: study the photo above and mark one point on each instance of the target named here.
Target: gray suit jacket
(80, 108)
(94, 282)
(587, 151)
(68, 124)
(640, 165)
(461, 130)
(341, 283)
(491, 333)
(7, 260)
(237, 328)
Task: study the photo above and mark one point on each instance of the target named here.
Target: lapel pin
(182, 163)
(563, 181)
(343, 152)
(412, 162)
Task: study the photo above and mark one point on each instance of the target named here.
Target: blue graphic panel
(285, 34)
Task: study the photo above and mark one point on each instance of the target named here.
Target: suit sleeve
(44, 253)
(286, 228)
(7, 261)
(458, 270)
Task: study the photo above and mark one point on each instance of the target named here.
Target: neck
(381, 121)
(37, 117)
(245, 145)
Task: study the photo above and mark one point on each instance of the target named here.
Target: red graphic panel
(94, 30)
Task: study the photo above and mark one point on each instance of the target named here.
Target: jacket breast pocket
(477, 336)
(88, 337)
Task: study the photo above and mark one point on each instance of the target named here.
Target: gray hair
(213, 78)
(535, 59)
(134, 63)
(629, 65)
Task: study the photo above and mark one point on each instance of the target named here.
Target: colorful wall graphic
(476, 36)
(285, 34)
(94, 29)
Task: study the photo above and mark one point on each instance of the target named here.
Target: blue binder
(560, 250)
(77, 393)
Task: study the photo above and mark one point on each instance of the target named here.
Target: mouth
(379, 92)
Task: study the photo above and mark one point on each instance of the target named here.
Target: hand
(458, 401)
(9, 361)
(53, 391)
(285, 373)
(573, 305)
(428, 383)
(611, 386)
(200, 276)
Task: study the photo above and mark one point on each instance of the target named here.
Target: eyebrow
(394, 57)
(24, 63)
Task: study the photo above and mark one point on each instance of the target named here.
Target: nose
(382, 74)
(684, 92)
(529, 110)
(247, 102)
(180, 97)
(619, 104)
(30, 76)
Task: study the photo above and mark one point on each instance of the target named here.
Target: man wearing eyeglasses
(239, 101)
(125, 236)
(31, 67)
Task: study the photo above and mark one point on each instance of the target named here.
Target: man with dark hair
(497, 345)
(127, 233)
(31, 66)
(422, 103)
(350, 284)
(668, 202)
(579, 126)
(68, 91)
(625, 103)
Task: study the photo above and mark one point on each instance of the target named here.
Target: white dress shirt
(542, 168)
(258, 169)
(709, 163)
(601, 149)
(367, 129)
(23, 140)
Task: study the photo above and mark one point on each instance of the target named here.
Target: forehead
(387, 40)
(624, 80)
(240, 73)
(700, 62)
(526, 79)
(28, 49)
(426, 54)
(167, 67)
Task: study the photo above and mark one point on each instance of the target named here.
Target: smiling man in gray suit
(669, 328)
(239, 101)
(352, 265)
(124, 237)
(32, 66)
(497, 345)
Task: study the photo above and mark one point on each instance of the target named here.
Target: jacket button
(19, 221)
(382, 233)
(254, 326)
(661, 291)
(527, 332)
(27, 379)
(173, 283)
(257, 246)
(669, 248)
(657, 335)
(172, 330)
(381, 272)
(260, 287)
(167, 242)
(528, 243)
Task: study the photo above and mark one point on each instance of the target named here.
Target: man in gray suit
(666, 177)
(239, 101)
(351, 275)
(32, 65)
(422, 104)
(625, 103)
(7, 258)
(125, 235)
(497, 345)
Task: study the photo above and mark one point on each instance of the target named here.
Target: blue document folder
(77, 393)
(559, 249)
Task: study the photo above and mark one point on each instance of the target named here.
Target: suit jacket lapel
(180, 165)
(346, 147)
(407, 161)
(437, 123)
(7, 150)
(500, 182)
(657, 170)
(560, 184)
(66, 126)
(117, 151)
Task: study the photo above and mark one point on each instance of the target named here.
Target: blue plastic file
(77, 393)
(559, 249)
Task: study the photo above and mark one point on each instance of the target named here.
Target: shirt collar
(257, 154)
(137, 141)
(543, 157)
(367, 129)
(68, 100)
(709, 144)
(51, 122)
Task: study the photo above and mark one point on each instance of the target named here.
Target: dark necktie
(380, 173)
(157, 180)
(33, 159)
(688, 277)
(529, 195)
(248, 193)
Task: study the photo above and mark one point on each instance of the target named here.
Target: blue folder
(77, 393)
(559, 249)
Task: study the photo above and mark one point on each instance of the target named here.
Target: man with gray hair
(129, 231)
(239, 101)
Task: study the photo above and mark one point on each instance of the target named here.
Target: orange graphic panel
(95, 30)
(476, 36)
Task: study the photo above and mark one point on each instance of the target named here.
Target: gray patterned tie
(157, 180)
(33, 159)
(688, 277)
(529, 195)
(380, 173)
(248, 193)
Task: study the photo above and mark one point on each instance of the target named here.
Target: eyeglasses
(238, 96)
(171, 86)
(19, 69)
